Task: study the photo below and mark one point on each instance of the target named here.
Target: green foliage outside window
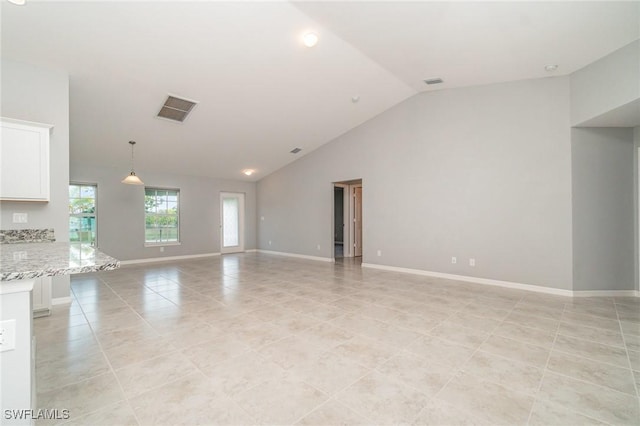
(82, 214)
(161, 215)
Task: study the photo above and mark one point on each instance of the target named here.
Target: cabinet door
(24, 161)
(41, 297)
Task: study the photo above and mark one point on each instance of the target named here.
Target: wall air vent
(295, 150)
(176, 109)
(433, 81)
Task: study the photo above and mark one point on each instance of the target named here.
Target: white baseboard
(299, 256)
(251, 251)
(509, 284)
(606, 293)
(485, 281)
(165, 259)
(61, 300)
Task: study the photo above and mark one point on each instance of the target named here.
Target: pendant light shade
(132, 179)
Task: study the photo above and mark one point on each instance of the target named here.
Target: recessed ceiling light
(18, 2)
(248, 172)
(550, 67)
(310, 39)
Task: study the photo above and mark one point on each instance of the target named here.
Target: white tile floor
(260, 339)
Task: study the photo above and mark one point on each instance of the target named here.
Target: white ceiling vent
(176, 109)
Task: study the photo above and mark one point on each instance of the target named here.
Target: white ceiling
(473, 43)
(260, 92)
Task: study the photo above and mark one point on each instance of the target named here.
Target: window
(161, 215)
(82, 214)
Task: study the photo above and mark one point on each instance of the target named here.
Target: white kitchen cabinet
(41, 297)
(17, 380)
(24, 160)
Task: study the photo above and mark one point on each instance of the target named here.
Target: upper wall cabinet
(24, 160)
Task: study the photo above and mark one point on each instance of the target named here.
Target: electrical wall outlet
(269, 242)
(19, 255)
(20, 218)
(318, 246)
(379, 253)
(472, 262)
(161, 249)
(7, 335)
(454, 260)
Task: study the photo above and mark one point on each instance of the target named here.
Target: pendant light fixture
(132, 179)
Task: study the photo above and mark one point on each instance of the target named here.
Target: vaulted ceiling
(260, 91)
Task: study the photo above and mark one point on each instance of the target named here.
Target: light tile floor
(263, 339)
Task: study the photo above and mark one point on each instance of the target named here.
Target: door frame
(241, 222)
(346, 232)
(349, 187)
(352, 219)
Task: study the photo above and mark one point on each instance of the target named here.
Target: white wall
(481, 172)
(121, 211)
(41, 95)
(606, 85)
(603, 209)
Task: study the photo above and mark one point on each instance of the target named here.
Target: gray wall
(606, 84)
(121, 211)
(603, 209)
(41, 95)
(481, 172)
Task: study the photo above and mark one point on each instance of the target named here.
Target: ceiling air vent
(295, 150)
(176, 109)
(433, 81)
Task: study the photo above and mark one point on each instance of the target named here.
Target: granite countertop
(32, 260)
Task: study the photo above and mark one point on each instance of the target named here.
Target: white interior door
(357, 221)
(232, 222)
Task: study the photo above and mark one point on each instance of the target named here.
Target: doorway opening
(347, 220)
(231, 222)
(338, 220)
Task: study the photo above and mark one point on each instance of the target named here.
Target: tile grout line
(576, 379)
(460, 369)
(102, 374)
(333, 397)
(586, 357)
(626, 349)
(328, 287)
(104, 354)
(198, 369)
(546, 366)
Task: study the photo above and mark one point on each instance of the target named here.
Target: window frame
(81, 215)
(162, 243)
